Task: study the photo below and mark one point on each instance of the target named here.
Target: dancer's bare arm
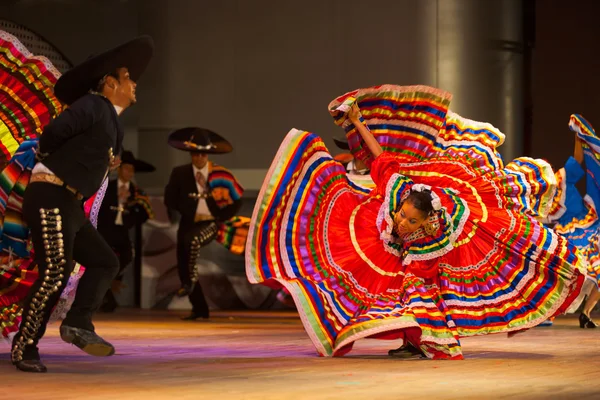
(578, 152)
(370, 141)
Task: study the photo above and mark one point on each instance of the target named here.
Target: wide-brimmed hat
(341, 143)
(133, 55)
(199, 140)
(344, 158)
(127, 157)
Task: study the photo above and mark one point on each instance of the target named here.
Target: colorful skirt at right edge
(576, 217)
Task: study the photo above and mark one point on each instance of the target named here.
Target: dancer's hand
(354, 113)
(115, 163)
(363, 130)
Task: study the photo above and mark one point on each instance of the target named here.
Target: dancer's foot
(586, 322)
(87, 341)
(406, 351)
(30, 366)
(194, 316)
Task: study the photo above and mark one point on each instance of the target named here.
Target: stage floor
(267, 355)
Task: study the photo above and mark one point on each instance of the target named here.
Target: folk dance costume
(76, 150)
(125, 206)
(482, 264)
(19, 269)
(28, 105)
(576, 217)
(359, 176)
(207, 200)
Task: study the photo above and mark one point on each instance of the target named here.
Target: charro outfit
(207, 201)
(75, 151)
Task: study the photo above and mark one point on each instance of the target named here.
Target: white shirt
(119, 217)
(40, 168)
(350, 166)
(202, 207)
(120, 184)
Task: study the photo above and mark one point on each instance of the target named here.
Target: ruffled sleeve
(567, 203)
(382, 170)
(426, 269)
(573, 171)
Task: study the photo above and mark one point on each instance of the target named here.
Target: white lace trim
(386, 233)
(23, 50)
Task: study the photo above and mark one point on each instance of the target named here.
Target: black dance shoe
(586, 322)
(30, 366)
(406, 351)
(87, 341)
(194, 317)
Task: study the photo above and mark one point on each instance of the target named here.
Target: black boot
(26, 358)
(407, 350)
(586, 322)
(30, 366)
(195, 316)
(87, 341)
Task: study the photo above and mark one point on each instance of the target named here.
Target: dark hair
(421, 201)
(102, 81)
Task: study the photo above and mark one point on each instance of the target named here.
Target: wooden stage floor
(267, 355)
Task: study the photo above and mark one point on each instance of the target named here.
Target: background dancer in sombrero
(207, 198)
(446, 246)
(76, 151)
(125, 205)
(576, 217)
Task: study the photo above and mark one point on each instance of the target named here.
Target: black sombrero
(199, 140)
(127, 157)
(133, 55)
(341, 143)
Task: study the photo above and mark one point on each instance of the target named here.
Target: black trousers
(61, 234)
(189, 241)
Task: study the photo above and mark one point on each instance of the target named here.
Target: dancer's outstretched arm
(370, 141)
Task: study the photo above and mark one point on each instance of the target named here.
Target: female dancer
(446, 246)
(576, 217)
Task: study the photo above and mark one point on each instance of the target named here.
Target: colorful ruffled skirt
(27, 105)
(318, 234)
(572, 215)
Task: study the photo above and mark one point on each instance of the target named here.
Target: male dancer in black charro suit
(75, 153)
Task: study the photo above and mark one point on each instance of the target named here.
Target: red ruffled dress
(487, 266)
